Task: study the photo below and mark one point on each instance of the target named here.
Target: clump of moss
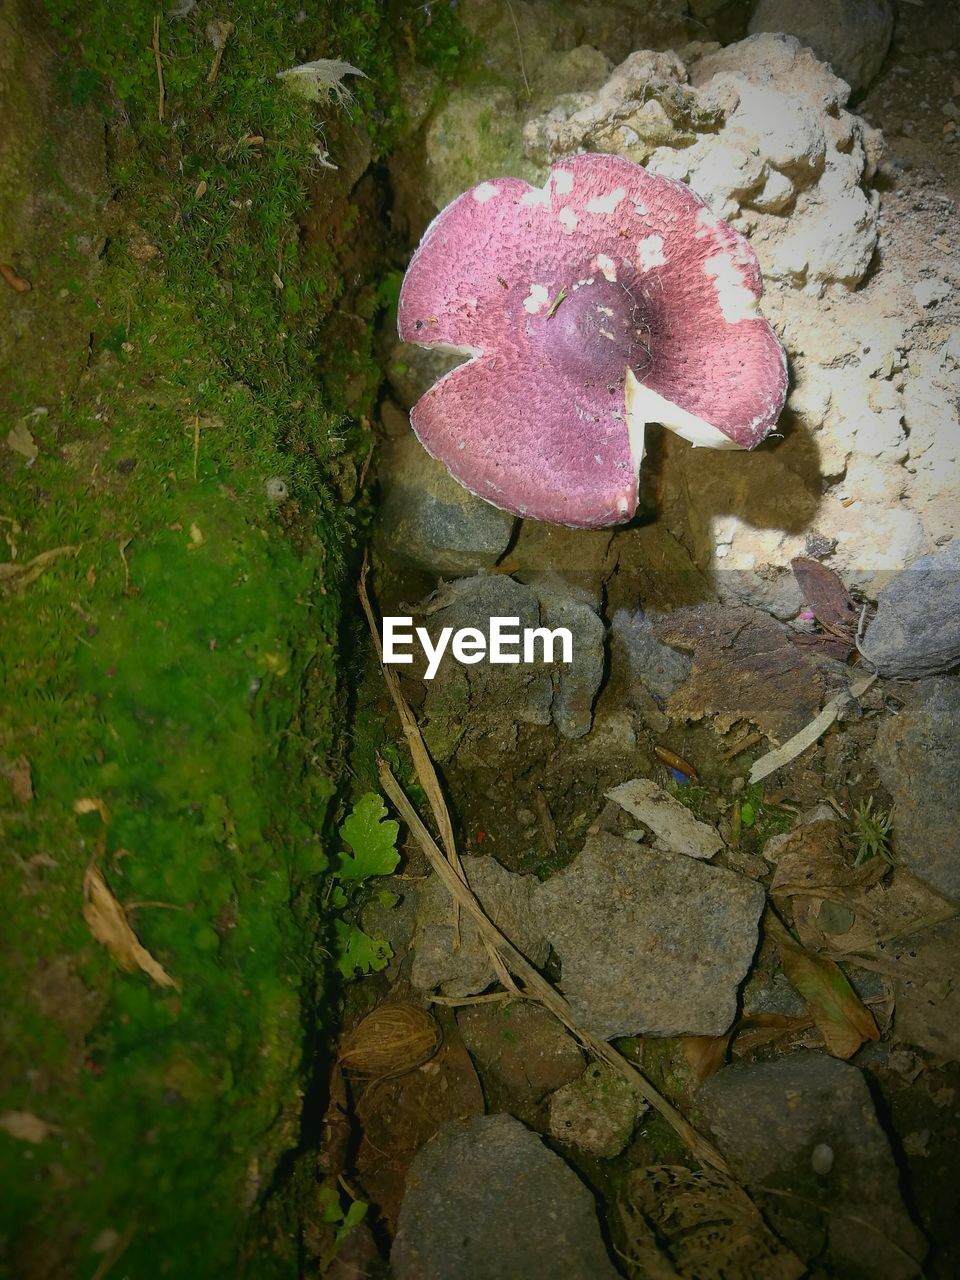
(176, 662)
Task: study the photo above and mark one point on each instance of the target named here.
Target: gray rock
(852, 35)
(520, 1050)
(483, 701)
(596, 1113)
(429, 521)
(917, 754)
(575, 685)
(650, 943)
(928, 293)
(927, 990)
(917, 628)
(488, 700)
(413, 370)
(654, 664)
(464, 970)
(393, 921)
(769, 1118)
(486, 1200)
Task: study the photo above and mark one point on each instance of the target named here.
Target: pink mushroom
(604, 301)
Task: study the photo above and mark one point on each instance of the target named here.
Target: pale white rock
(776, 195)
(672, 823)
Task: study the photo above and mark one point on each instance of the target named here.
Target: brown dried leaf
(15, 576)
(705, 1055)
(826, 892)
(841, 1017)
(825, 594)
(21, 781)
(26, 1127)
(107, 921)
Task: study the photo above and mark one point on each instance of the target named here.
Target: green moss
(177, 663)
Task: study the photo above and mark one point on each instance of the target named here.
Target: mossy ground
(178, 659)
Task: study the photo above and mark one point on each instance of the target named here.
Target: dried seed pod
(390, 1041)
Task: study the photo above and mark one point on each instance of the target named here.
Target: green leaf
(372, 840)
(748, 815)
(357, 950)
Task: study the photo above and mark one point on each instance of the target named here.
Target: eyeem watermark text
(503, 642)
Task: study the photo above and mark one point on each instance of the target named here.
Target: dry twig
(161, 90)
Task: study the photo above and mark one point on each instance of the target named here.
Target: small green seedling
(873, 833)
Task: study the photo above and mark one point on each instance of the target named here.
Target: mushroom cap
(606, 299)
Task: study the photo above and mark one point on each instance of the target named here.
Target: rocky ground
(775, 947)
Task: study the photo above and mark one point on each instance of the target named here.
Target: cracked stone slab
(486, 1200)
(650, 943)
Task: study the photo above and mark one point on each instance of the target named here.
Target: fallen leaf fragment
(17, 576)
(681, 1222)
(26, 1127)
(14, 279)
(841, 1018)
(21, 782)
(89, 804)
(107, 921)
(21, 441)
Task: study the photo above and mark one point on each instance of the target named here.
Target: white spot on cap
(606, 265)
(607, 334)
(737, 300)
(486, 191)
(623, 506)
(597, 458)
(706, 222)
(562, 182)
(539, 195)
(650, 252)
(607, 203)
(604, 311)
(536, 299)
(640, 209)
(568, 219)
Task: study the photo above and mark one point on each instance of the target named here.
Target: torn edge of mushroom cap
(645, 408)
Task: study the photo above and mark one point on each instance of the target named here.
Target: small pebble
(821, 1159)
